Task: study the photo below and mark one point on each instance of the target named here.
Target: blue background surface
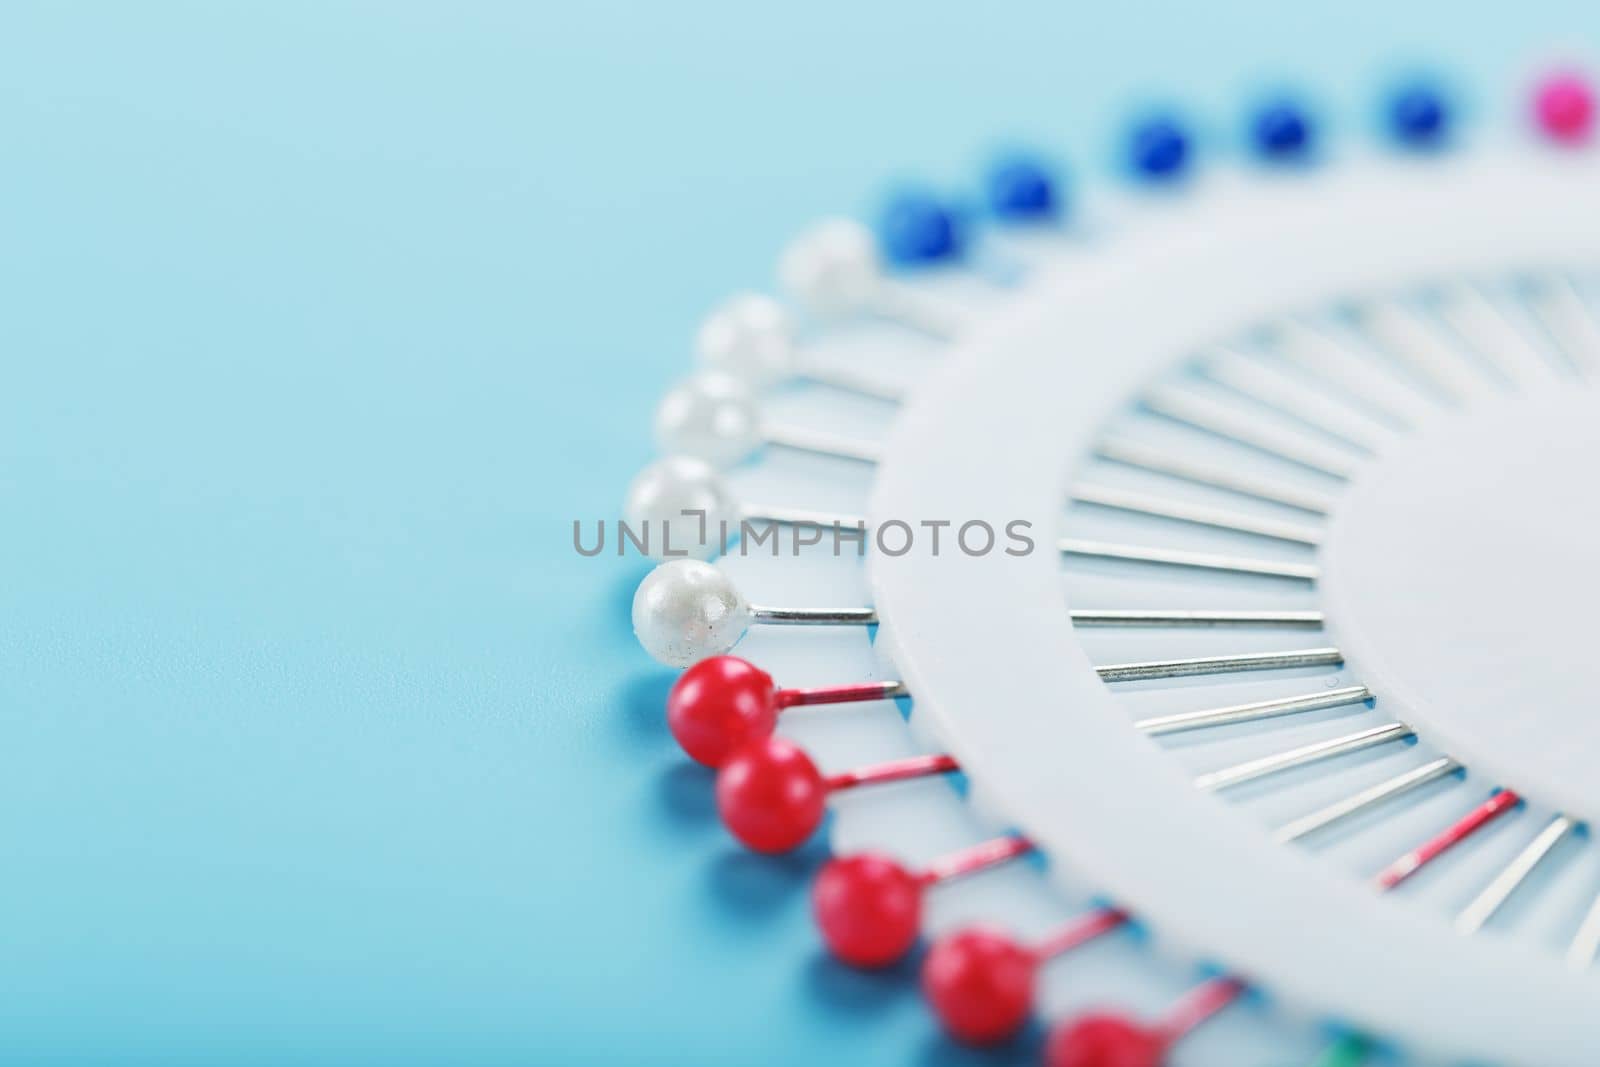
(321, 323)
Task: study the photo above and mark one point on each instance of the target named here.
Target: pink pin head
(719, 705)
(1563, 105)
(980, 984)
(1104, 1040)
(868, 907)
(770, 795)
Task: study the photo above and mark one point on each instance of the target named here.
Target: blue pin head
(1158, 149)
(1418, 115)
(1021, 188)
(1281, 132)
(917, 229)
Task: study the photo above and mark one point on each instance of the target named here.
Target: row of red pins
(978, 980)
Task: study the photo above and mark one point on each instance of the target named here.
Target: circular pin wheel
(1175, 600)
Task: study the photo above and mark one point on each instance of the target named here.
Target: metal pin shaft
(1251, 770)
(1499, 890)
(820, 443)
(1177, 558)
(1382, 392)
(801, 517)
(853, 382)
(1196, 514)
(1366, 799)
(1306, 620)
(1261, 709)
(1251, 661)
(1586, 943)
(1143, 457)
(869, 617)
(1270, 386)
(1217, 420)
(814, 616)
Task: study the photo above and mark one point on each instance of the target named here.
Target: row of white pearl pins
(1442, 374)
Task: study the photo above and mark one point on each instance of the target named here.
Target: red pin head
(770, 795)
(1564, 106)
(1104, 1041)
(980, 984)
(869, 908)
(719, 705)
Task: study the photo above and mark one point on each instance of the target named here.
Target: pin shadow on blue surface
(639, 709)
(755, 888)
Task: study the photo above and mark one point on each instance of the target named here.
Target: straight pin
(1080, 1040)
(1252, 770)
(1500, 889)
(1108, 1037)
(1195, 514)
(1366, 799)
(1562, 310)
(814, 616)
(1156, 461)
(1170, 557)
(1451, 836)
(1352, 1049)
(1362, 380)
(821, 443)
(970, 975)
(1250, 661)
(1404, 335)
(1586, 943)
(1216, 419)
(1198, 1005)
(783, 516)
(723, 704)
(1268, 385)
(686, 610)
(692, 511)
(772, 797)
(1306, 620)
(1254, 712)
(834, 270)
(868, 905)
(852, 382)
(752, 337)
(716, 418)
(1490, 333)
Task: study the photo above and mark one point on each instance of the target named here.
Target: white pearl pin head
(687, 610)
(749, 337)
(832, 269)
(680, 504)
(712, 417)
